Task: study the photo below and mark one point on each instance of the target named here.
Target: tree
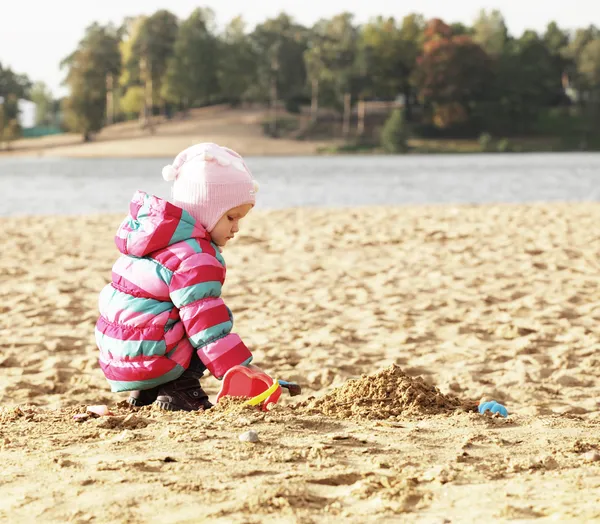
(279, 45)
(315, 69)
(132, 103)
(573, 54)
(527, 82)
(382, 48)
(96, 56)
(557, 42)
(390, 51)
(192, 75)
(9, 129)
(381, 64)
(12, 131)
(42, 97)
(556, 39)
(152, 50)
(458, 28)
(490, 32)
(13, 87)
(237, 67)
(588, 67)
(130, 70)
(412, 30)
(339, 44)
(453, 75)
(2, 124)
(394, 135)
(12, 83)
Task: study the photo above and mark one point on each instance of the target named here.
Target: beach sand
(500, 302)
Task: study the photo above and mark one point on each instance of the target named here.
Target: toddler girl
(162, 320)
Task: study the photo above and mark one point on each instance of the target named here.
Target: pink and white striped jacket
(164, 301)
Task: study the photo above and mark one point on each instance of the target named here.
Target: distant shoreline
(241, 130)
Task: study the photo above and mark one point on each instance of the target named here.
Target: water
(74, 186)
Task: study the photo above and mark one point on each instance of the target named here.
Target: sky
(36, 35)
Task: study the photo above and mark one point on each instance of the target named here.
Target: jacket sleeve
(195, 289)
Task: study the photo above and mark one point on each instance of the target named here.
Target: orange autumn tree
(453, 74)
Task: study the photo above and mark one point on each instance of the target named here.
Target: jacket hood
(153, 224)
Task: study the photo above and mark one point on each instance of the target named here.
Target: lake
(74, 186)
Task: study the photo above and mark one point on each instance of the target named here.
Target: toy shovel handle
(293, 388)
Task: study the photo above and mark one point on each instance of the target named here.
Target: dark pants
(196, 368)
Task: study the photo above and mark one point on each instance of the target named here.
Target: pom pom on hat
(169, 173)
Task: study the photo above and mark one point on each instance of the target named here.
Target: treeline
(452, 80)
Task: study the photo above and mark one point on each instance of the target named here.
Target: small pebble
(100, 410)
(592, 456)
(548, 462)
(249, 436)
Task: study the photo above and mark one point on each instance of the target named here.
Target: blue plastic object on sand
(293, 388)
(493, 407)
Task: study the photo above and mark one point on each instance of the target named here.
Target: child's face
(229, 224)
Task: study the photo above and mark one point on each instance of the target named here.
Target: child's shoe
(144, 397)
(183, 394)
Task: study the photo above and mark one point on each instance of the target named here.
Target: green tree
(412, 30)
(527, 83)
(382, 47)
(13, 87)
(2, 124)
(573, 54)
(96, 57)
(12, 83)
(151, 50)
(556, 40)
(394, 136)
(130, 70)
(315, 69)
(42, 97)
(279, 45)
(339, 39)
(490, 32)
(458, 28)
(9, 129)
(390, 49)
(132, 102)
(237, 67)
(12, 131)
(192, 75)
(588, 67)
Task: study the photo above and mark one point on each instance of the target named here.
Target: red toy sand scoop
(256, 386)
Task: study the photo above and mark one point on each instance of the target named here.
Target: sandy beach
(500, 302)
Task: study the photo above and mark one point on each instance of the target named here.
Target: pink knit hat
(209, 180)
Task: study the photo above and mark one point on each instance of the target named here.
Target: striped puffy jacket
(164, 301)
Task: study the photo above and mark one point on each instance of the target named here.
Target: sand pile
(383, 395)
(229, 404)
